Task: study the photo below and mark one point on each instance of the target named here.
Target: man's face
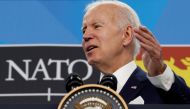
(102, 37)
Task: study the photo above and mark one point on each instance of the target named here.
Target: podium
(92, 96)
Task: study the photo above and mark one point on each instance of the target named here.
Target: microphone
(109, 81)
(73, 81)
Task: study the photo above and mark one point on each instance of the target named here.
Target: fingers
(147, 40)
(143, 28)
(145, 35)
(152, 52)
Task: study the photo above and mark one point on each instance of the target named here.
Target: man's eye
(83, 31)
(97, 26)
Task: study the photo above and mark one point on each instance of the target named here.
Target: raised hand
(152, 51)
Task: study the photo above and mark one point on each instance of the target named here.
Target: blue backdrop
(59, 21)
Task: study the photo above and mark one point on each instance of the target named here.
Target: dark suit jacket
(139, 85)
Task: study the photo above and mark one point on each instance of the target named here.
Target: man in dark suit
(112, 37)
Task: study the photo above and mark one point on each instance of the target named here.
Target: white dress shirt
(163, 81)
(123, 74)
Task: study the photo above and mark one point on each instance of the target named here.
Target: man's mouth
(90, 48)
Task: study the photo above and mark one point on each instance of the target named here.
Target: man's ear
(127, 36)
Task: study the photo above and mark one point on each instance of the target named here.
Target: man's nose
(87, 37)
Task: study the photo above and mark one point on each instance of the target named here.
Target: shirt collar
(123, 74)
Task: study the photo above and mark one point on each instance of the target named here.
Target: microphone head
(73, 81)
(109, 81)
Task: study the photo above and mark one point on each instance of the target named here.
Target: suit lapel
(133, 86)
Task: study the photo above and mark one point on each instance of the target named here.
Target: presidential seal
(92, 96)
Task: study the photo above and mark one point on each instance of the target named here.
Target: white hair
(125, 12)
